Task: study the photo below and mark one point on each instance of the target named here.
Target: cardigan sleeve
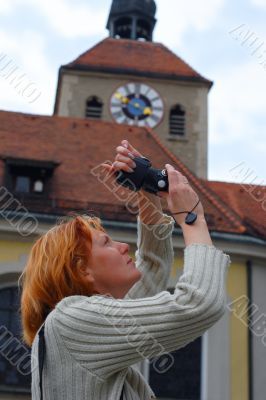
(154, 257)
(106, 335)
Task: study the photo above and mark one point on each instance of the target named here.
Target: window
(28, 177)
(38, 186)
(94, 108)
(143, 30)
(22, 184)
(183, 379)
(123, 28)
(177, 121)
(15, 371)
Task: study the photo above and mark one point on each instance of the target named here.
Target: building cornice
(234, 244)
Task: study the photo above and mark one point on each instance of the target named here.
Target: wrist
(199, 221)
(150, 209)
(146, 197)
(197, 232)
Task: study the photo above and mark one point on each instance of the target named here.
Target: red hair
(51, 272)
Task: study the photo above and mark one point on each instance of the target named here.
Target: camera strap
(41, 355)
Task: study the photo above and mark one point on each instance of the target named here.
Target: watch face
(137, 104)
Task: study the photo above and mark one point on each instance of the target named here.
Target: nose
(124, 247)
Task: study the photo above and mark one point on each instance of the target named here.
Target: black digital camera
(144, 177)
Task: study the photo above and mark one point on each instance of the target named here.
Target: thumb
(109, 169)
(127, 145)
(163, 195)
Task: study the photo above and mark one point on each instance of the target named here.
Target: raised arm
(154, 255)
(154, 258)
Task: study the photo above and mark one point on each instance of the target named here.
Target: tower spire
(132, 19)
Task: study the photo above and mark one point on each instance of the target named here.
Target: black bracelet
(191, 217)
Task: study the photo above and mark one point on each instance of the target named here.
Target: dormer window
(28, 177)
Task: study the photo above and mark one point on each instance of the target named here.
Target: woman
(104, 313)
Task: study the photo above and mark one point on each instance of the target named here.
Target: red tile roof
(78, 145)
(247, 201)
(136, 56)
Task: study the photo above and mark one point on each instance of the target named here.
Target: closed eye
(107, 240)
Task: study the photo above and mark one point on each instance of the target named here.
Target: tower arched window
(123, 27)
(177, 121)
(143, 30)
(94, 107)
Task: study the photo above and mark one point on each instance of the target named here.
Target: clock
(137, 104)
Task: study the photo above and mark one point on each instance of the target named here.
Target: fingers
(129, 147)
(174, 177)
(118, 165)
(125, 152)
(108, 168)
(125, 160)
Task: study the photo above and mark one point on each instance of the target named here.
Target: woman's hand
(181, 196)
(124, 157)
(125, 153)
(148, 203)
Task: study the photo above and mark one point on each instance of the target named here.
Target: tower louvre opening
(132, 19)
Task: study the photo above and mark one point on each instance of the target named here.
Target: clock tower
(129, 79)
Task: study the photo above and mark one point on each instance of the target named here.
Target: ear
(86, 273)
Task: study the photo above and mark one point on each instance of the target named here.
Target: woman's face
(110, 270)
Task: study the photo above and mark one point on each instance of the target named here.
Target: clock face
(137, 104)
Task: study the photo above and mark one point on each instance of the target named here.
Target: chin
(138, 275)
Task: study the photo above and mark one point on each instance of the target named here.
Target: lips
(130, 260)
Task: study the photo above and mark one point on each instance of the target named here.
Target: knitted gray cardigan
(92, 343)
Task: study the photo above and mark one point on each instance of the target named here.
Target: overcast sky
(224, 40)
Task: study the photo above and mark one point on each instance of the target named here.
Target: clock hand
(146, 110)
(123, 99)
